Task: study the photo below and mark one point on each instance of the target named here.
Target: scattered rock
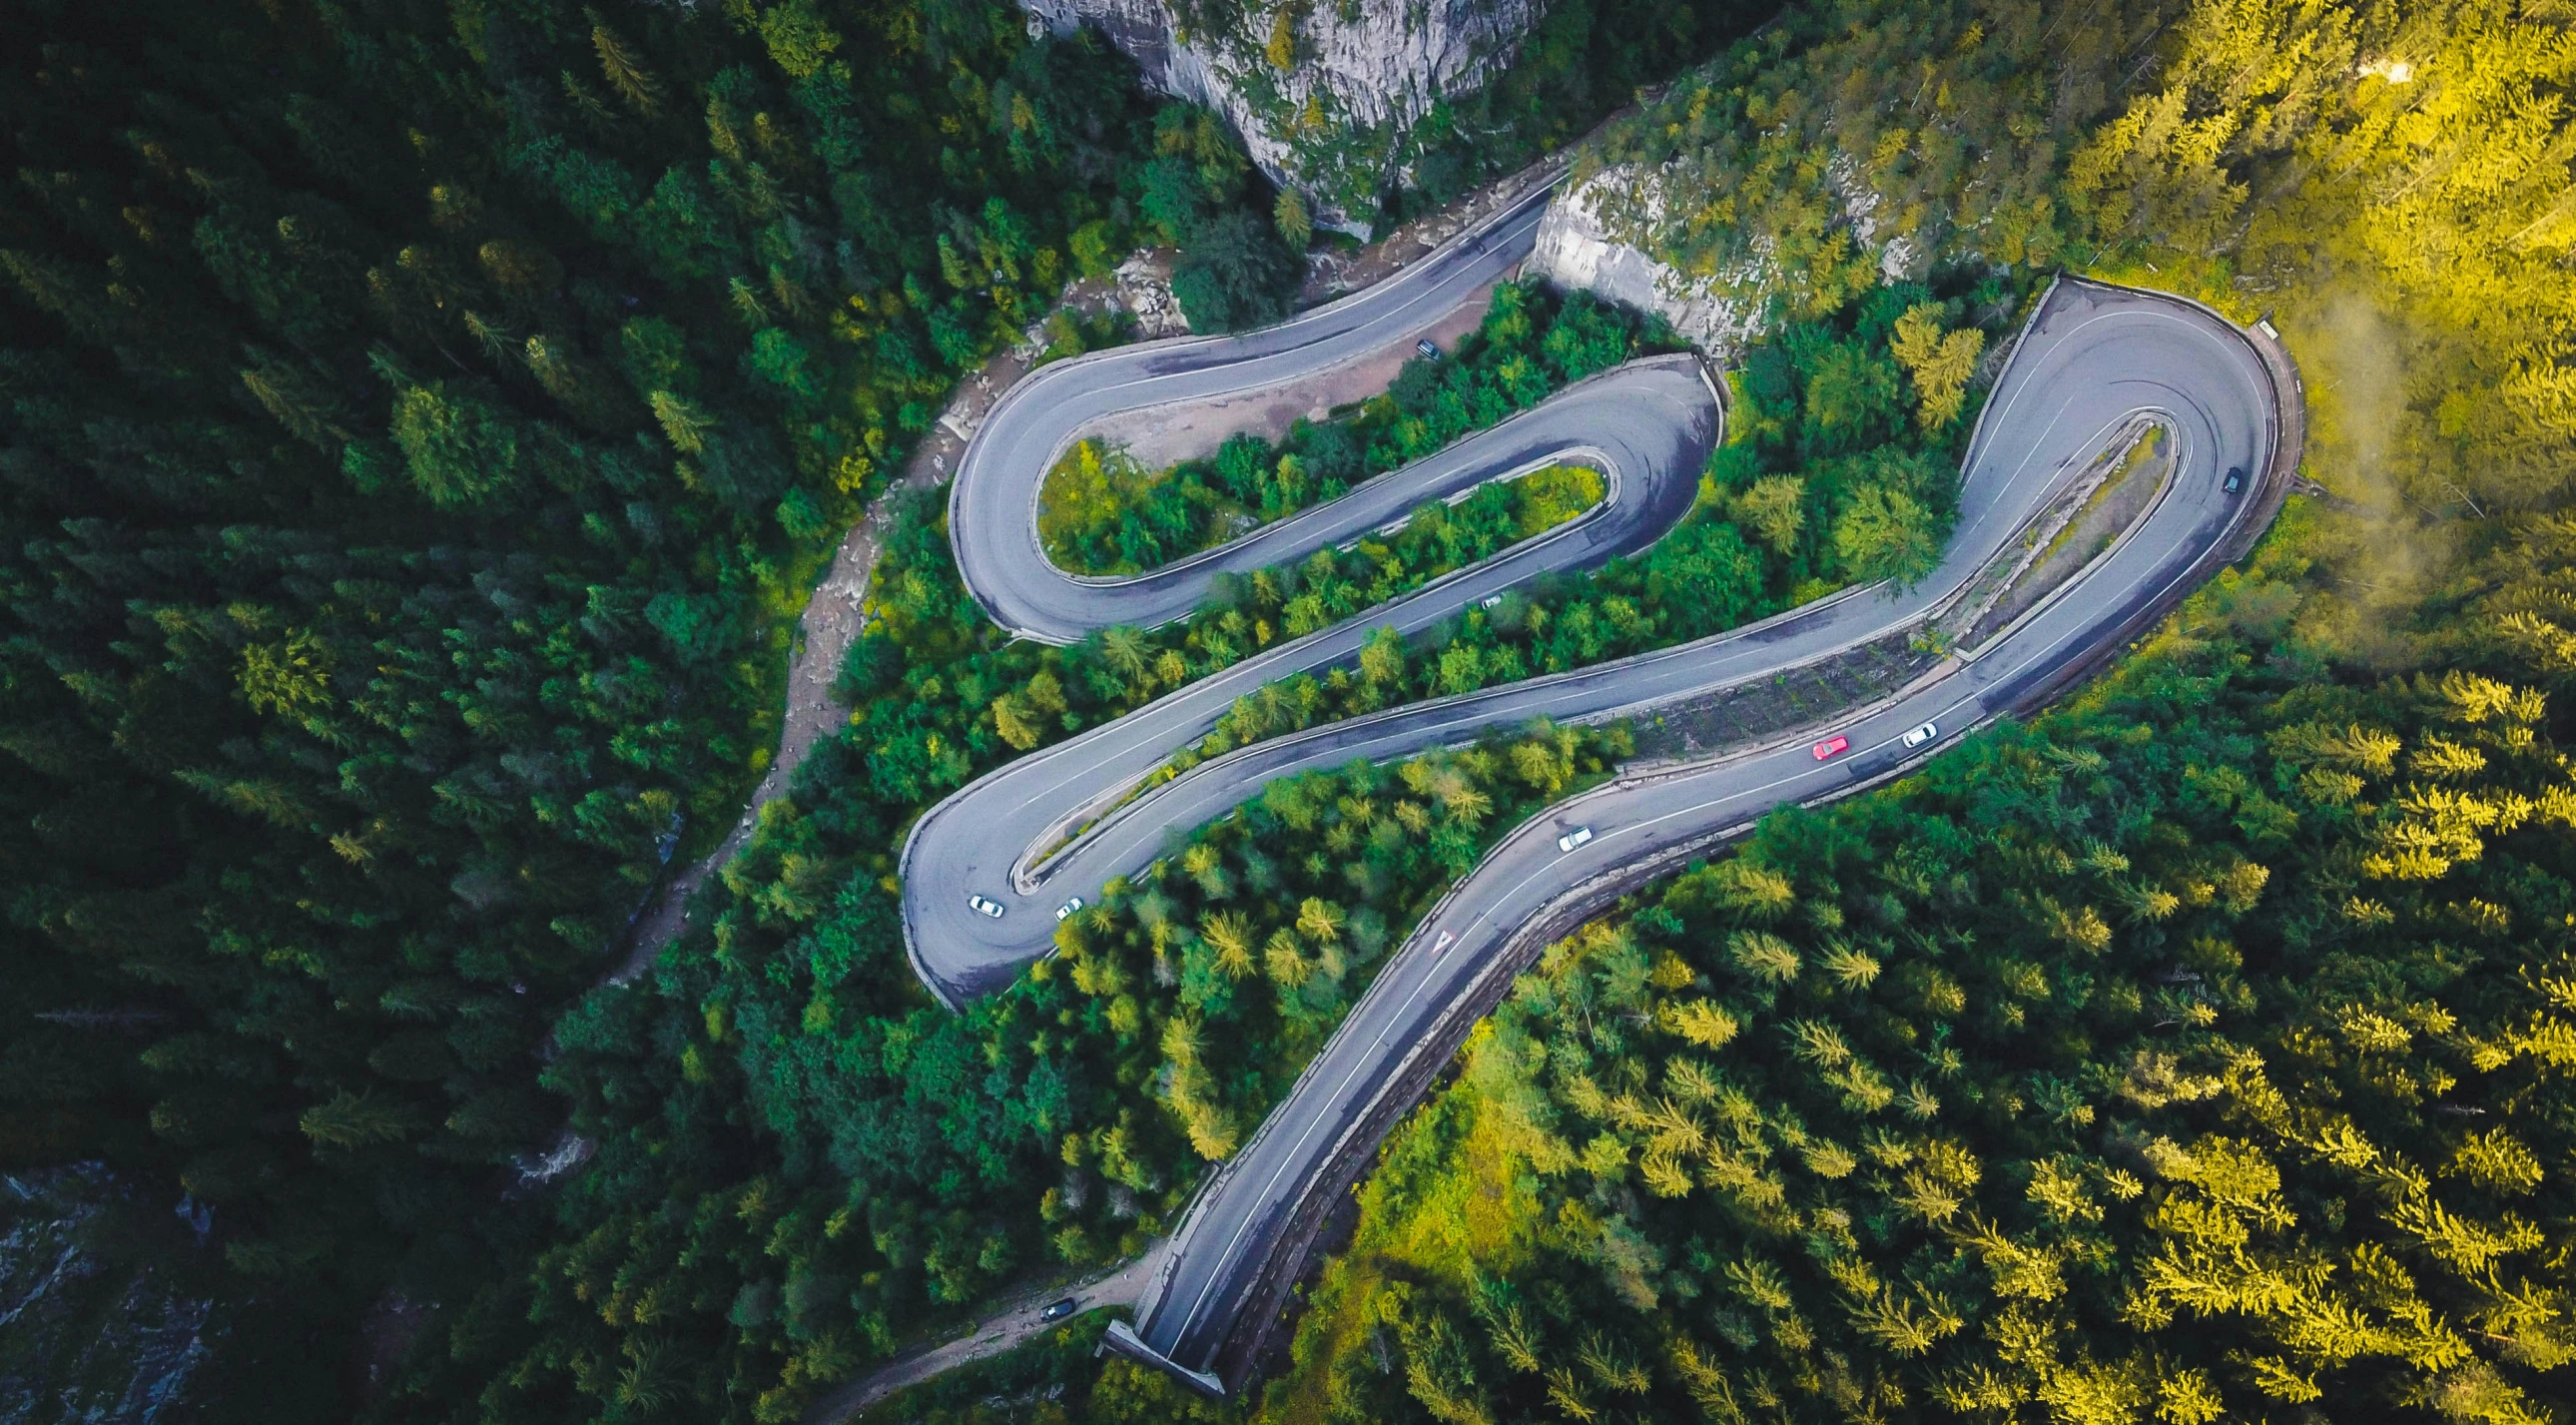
(1145, 290)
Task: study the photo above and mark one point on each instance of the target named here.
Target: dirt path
(833, 619)
(830, 624)
(1012, 1323)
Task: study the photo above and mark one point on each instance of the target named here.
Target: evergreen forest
(423, 422)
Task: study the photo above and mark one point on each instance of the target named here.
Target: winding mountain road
(2092, 359)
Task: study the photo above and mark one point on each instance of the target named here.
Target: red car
(1830, 746)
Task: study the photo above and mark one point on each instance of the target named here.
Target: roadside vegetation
(804, 1162)
(419, 426)
(1840, 467)
(2184, 1054)
(848, 1159)
(2099, 1065)
(857, 1160)
(1100, 512)
(1200, 192)
(418, 422)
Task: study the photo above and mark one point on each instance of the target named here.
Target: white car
(1490, 601)
(1923, 734)
(986, 906)
(1068, 908)
(1574, 838)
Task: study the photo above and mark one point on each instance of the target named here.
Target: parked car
(985, 905)
(1429, 352)
(1574, 838)
(2235, 480)
(1060, 1310)
(1923, 734)
(1831, 746)
(1068, 908)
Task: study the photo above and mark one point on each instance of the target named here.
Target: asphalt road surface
(1006, 1327)
(993, 506)
(2093, 358)
(1648, 427)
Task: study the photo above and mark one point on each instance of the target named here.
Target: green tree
(1884, 534)
(459, 450)
(1296, 228)
(1234, 273)
(1776, 507)
(1939, 364)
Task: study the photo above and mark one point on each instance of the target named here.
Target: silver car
(985, 905)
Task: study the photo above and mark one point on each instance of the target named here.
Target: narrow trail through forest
(1013, 1321)
(832, 621)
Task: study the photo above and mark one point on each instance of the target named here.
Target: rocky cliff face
(1576, 250)
(94, 1322)
(1598, 235)
(1334, 123)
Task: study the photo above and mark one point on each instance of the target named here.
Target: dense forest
(421, 425)
(2196, 1052)
(802, 1159)
(422, 422)
(2188, 1054)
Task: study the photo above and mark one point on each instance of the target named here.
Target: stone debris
(1145, 289)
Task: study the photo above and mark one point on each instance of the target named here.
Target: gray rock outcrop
(1575, 249)
(1336, 123)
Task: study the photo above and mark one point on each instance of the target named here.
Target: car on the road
(1574, 838)
(1831, 746)
(1429, 352)
(1057, 1311)
(1490, 601)
(1923, 734)
(986, 905)
(2235, 480)
(1068, 908)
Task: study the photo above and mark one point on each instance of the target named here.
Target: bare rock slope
(1332, 122)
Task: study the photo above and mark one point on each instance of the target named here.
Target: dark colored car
(1429, 352)
(1060, 1310)
(2235, 480)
